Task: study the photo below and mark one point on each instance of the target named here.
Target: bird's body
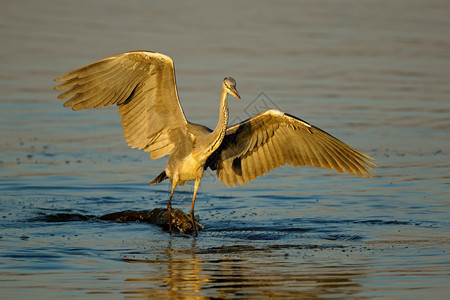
(142, 84)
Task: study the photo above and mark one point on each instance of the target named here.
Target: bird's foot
(194, 224)
(169, 218)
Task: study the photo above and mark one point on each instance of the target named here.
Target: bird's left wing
(271, 139)
(142, 84)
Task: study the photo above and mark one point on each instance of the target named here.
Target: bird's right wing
(271, 139)
(142, 84)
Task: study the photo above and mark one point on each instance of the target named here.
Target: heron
(142, 84)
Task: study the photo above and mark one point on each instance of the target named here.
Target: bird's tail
(159, 178)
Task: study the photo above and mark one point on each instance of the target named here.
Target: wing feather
(269, 158)
(272, 150)
(271, 139)
(356, 161)
(142, 84)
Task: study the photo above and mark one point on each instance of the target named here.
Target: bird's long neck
(216, 137)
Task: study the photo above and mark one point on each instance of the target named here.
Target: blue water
(374, 74)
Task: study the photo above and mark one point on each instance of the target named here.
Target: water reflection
(192, 273)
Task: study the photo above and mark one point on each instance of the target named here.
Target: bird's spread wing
(271, 139)
(143, 85)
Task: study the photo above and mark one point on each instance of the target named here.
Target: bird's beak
(235, 93)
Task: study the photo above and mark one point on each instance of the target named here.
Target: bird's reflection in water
(182, 274)
(185, 275)
(179, 275)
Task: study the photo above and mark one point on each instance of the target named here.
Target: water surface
(372, 73)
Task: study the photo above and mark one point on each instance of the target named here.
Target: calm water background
(375, 74)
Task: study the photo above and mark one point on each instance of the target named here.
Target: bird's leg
(169, 208)
(196, 184)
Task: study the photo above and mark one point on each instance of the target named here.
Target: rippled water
(373, 73)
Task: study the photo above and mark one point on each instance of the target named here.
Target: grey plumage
(142, 84)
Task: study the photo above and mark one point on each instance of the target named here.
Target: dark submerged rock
(62, 217)
(181, 221)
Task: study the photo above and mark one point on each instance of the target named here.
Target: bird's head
(229, 84)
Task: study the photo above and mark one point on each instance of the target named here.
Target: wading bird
(142, 84)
